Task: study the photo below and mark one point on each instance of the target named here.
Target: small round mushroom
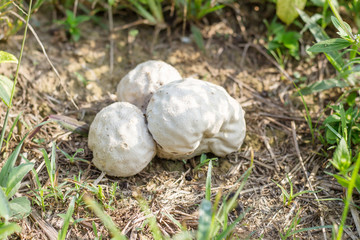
(121, 143)
(139, 84)
(189, 117)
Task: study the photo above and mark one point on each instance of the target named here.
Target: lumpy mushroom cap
(139, 84)
(121, 143)
(189, 117)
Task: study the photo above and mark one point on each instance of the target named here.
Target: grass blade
(109, 224)
(6, 169)
(143, 12)
(348, 198)
(150, 218)
(208, 182)
(228, 230)
(176, 222)
(69, 213)
(15, 177)
(3, 130)
(12, 129)
(204, 220)
(198, 38)
(319, 35)
(6, 57)
(5, 208)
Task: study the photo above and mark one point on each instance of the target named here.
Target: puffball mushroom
(146, 78)
(189, 117)
(121, 143)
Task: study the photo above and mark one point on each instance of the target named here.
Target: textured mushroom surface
(189, 117)
(121, 143)
(139, 84)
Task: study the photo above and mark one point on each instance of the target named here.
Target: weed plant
(11, 175)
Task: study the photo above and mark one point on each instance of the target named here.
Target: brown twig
(49, 230)
(133, 24)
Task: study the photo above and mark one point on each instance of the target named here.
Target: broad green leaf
(291, 39)
(13, 190)
(323, 85)
(342, 158)
(342, 32)
(204, 220)
(16, 175)
(333, 130)
(7, 229)
(342, 181)
(330, 45)
(4, 209)
(8, 166)
(273, 45)
(20, 207)
(67, 219)
(318, 3)
(350, 100)
(6, 86)
(320, 35)
(6, 57)
(286, 9)
(330, 136)
(334, 118)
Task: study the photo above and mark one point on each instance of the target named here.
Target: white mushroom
(121, 143)
(190, 117)
(146, 78)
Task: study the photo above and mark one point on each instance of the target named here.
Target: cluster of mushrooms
(160, 113)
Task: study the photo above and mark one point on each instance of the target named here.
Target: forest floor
(277, 132)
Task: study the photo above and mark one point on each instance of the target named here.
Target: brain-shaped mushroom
(189, 117)
(146, 78)
(121, 143)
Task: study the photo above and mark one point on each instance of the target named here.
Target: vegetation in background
(194, 10)
(72, 22)
(342, 126)
(281, 42)
(286, 10)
